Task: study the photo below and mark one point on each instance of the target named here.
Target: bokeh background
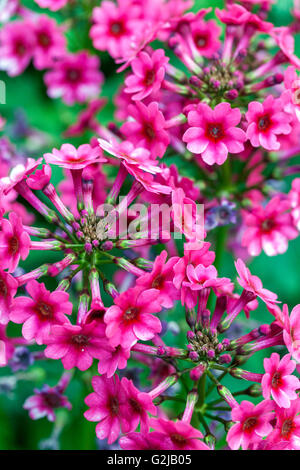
(35, 124)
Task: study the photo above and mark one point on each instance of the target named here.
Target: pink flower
(45, 401)
(112, 359)
(40, 179)
(136, 407)
(278, 381)
(148, 74)
(74, 78)
(40, 311)
(138, 163)
(104, 405)
(14, 242)
(206, 37)
(194, 255)
(143, 441)
(130, 318)
(287, 428)
(114, 26)
(17, 43)
(161, 278)
(291, 332)
(53, 5)
(198, 278)
(75, 159)
(269, 228)
(252, 283)
(50, 42)
(75, 345)
(179, 435)
(148, 128)
(265, 121)
(252, 424)
(8, 289)
(235, 15)
(18, 174)
(213, 132)
(6, 347)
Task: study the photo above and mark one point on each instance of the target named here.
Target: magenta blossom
(143, 441)
(161, 278)
(266, 121)
(75, 345)
(40, 311)
(112, 359)
(104, 405)
(148, 128)
(74, 159)
(179, 435)
(74, 78)
(287, 428)
(14, 242)
(213, 132)
(114, 26)
(136, 407)
(291, 332)
(8, 289)
(278, 381)
(50, 42)
(269, 228)
(45, 401)
(53, 5)
(17, 43)
(148, 74)
(252, 283)
(40, 179)
(206, 37)
(130, 318)
(252, 423)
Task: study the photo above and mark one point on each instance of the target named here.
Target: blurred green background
(27, 93)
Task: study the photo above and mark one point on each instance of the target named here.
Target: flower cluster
(119, 264)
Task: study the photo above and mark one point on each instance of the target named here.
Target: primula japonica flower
(8, 289)
(206, 35)
(53, 5)
(17, 42)
(112, 359)
(266, 121)
(105, 403)
(178, 435)
(14, 242)
(148, 128)
(74, 78)
(161, 278)
(136, 407)
(252, 424)
(287, 427)
(50, 42)
(269, 228)
(114, 26)
(252, 283)
(278, 381)
(40, 311)
(74, 159)
(291, 332)
(143, 441)
(148, 74)
(45, 401)
(75, 345)
(131, 319)
(213, 132)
